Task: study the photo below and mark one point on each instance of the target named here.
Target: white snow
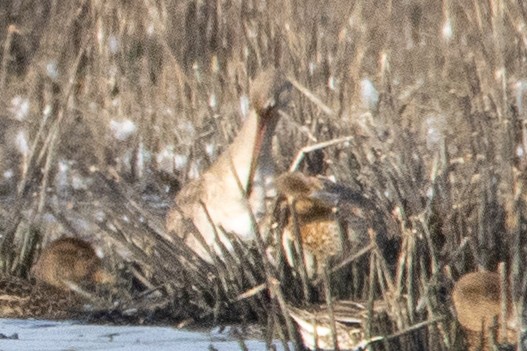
(123, 129)
(180, 162)
(52, 70)
(519, 89)
(332, 83)
(519, 151)
(69, 335)
(447, 30)
(19, 107)
(165, 159)
(22, 145)
(113, 44)
(434, 125)
(8, 174)
(244, 105)
(210, 149)
(369, 95)
(213, 101)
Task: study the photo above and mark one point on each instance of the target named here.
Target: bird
(331, 218)
(70, 261)
(477, 301)
(65, 267)
(315, 331)
(318, 226)
(227, 195)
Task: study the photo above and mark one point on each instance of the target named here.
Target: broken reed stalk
(307, 149)
(329, 304)
(426, 299)
(120, 193)
(381, 262)
(7, 249)
(24, 260)
(520, 309)
(276, 292)
(413, 328)
(299, 249)
(365, 250)
(311, 96)
(504, 315)
(11, 30)
(372, 277)
(201, 240)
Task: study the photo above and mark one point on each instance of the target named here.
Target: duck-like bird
(223, 198)
(331, 219)
(318, 226)
(477, 300)
(314, 326)
(65, 265)
(69, 261)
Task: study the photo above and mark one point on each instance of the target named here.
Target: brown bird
(243, 172)
(477, 300)
(70, 261)
(318, 226)
(66, 265)
(332, 219)
(314, 326)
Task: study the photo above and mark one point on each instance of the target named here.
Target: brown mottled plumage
(331, 218)
(65, 264)
(247, 160)
(317, 225)
(314, 326)
(70, 260)
(477, 300)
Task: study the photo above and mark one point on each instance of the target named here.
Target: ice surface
(43, 335)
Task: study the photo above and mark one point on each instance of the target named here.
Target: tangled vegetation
(109, 106)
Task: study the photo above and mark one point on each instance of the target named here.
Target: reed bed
(418, 106)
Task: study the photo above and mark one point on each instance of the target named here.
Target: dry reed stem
(349, 260)
(299, 249)
(329, 303)
(414, 327)
(11, 30)
(504, 302)
(472, 78)
(307, 149)
(312, 97)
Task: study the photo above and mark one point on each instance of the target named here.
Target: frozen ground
(42, 335)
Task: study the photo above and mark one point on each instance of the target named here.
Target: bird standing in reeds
(314, 226)
(477, 301)
(314, 326)
(332, 220)
(65, 268)
(314, 211)
(225, 198)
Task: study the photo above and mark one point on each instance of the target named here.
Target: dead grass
(442, 154)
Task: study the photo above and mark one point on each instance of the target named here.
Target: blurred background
(110, 102)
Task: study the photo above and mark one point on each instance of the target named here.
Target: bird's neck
(246, 155)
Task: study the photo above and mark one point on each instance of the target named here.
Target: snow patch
(21, 142)
(20, 107)
(122, 130)
(368, 94)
